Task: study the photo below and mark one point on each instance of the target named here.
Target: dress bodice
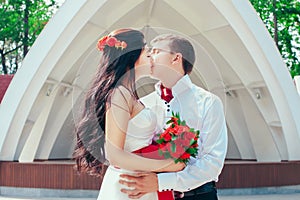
(140, 130)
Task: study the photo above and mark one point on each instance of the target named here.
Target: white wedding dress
(139, 134)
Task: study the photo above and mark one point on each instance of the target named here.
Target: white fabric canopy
(236, 59)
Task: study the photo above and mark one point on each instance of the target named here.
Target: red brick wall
(61, 175)
(4, 83)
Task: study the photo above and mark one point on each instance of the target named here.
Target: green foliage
(23, 20)
(282, 18)
(21, 23)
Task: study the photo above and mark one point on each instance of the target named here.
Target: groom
(172, 61)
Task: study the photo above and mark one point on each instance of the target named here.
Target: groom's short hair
(181, 45)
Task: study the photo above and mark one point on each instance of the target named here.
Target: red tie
(166, 93)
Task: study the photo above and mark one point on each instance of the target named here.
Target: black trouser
(206, 192)
(206, 196)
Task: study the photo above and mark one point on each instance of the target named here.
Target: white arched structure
(237, 60)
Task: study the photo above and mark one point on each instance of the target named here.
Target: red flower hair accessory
(111, 42)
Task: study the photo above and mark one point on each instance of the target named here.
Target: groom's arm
(211, 155)
(205, 168)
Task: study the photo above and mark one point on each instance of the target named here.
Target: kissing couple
(123, 128)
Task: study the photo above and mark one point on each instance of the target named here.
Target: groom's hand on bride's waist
(139, 184)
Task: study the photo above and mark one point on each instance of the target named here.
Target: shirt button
(166, 102)
(168, 110)
(168, 105)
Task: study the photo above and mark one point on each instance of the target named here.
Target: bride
(115, 125)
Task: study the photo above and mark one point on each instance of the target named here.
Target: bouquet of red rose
(178, 141)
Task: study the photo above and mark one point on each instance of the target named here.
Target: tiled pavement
(295, 196)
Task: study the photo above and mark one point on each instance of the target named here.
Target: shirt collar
(182, 84)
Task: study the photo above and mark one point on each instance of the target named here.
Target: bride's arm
(115, 139)
(117, 118)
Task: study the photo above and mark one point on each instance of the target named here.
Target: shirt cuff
(166, 181)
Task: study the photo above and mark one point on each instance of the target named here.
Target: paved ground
(263, 197)
(268, 193)
(295, 196)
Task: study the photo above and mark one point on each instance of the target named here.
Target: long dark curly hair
(89, 151)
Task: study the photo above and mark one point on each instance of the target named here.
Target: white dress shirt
(202, 111)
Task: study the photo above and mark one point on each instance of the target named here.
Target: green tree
(20, 24)
(282, 19)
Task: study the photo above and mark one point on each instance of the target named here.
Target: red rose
(184, 142)
(123, 45)
(175, 120)
(101, 48)
(166, 147)
(168, 130)
(178, 142)
(173, 130)
(178, 153)
(118, 44)
(189, 136)
(182, 129)
(167, 136)
(101, 43)
(185, 155)
(195, 145)
(111, 41)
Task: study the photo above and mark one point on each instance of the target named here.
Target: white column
(297, 83)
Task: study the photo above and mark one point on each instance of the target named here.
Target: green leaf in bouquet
(173, 114)
(181, 160)
(192, 130)
(168, 122)
(173, 147)
(192, 142)
(174, 137)
(197, 133)
(167, 155)
(160, 152)
(191, 151)
(160, 141)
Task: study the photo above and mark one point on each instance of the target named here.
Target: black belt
(207, 187)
